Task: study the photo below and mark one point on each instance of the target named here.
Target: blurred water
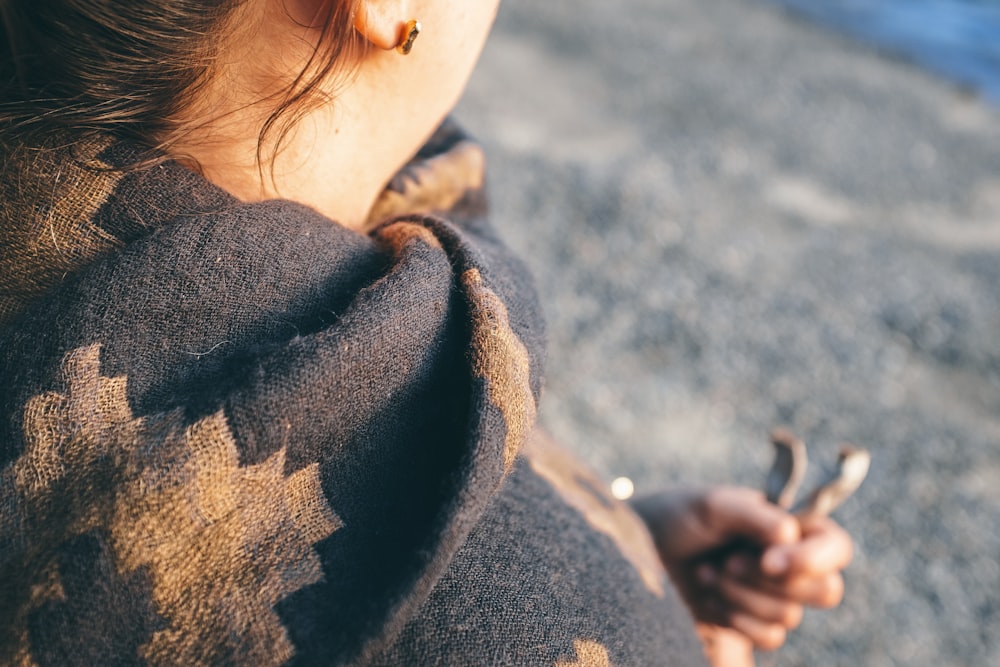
(959, 39)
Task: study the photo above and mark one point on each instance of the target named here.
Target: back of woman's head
(131, 67)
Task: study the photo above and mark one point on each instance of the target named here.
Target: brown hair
(130, 67)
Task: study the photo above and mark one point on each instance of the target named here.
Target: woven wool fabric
(241, 434)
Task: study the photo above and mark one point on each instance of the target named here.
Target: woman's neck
(325, 154)
(338, 155)
(320, 161)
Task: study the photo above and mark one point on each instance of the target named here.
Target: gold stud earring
(410, 33)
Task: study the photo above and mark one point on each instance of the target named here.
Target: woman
(272, 378)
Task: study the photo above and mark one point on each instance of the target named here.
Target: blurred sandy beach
(738, 219)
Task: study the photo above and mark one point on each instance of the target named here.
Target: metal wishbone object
(787, 473)
(789, 469)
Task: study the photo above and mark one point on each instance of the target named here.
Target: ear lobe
(381, 22)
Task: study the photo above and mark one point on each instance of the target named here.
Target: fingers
(730, 512)
(763, 634)
(825, 547)
(759, 604)
(822, 591)
(725, 647)
(766, 636)
(725, 601)
(765, 608)
(767, 613)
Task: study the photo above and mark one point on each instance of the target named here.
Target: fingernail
(775, 562)
(788, 531)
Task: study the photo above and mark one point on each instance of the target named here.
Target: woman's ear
(382, 22)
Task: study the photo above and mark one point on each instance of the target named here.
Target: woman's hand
(741, 562)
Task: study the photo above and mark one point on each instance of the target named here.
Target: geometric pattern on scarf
(589, 654)
(48, 202)
(222, 542)
(500, 358)
(434, 184)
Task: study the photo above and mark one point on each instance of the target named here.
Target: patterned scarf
(242, 434)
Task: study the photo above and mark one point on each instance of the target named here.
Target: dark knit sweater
(241, 434)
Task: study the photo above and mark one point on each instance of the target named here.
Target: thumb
(736, 512)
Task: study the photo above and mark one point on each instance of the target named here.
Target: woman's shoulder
(246, 401)
(557, 572)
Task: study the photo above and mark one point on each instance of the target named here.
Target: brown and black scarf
(241, 434)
